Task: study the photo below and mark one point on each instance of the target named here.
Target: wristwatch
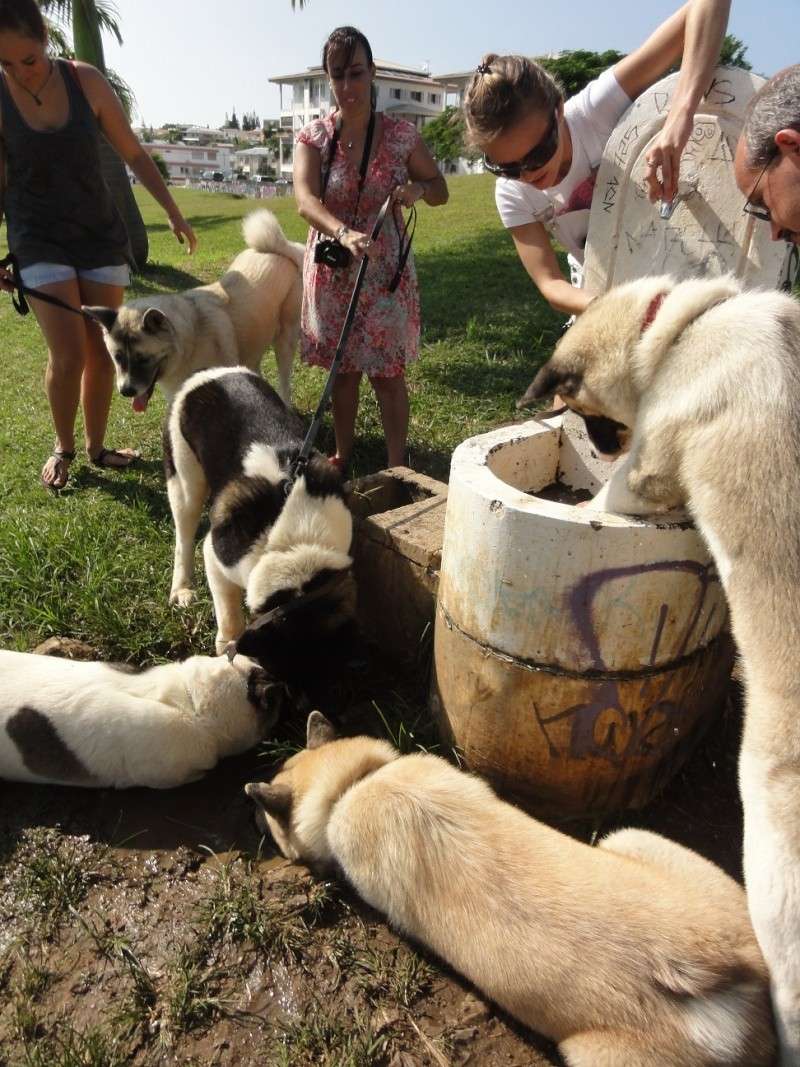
(341, 232)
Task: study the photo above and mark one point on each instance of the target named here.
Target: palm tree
(88, 20)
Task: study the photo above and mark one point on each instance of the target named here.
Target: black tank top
(58, 207)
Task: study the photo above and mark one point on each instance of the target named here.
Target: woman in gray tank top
(62, 223)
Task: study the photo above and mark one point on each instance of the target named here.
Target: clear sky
(195, 60)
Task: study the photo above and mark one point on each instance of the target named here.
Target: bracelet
(341, 232)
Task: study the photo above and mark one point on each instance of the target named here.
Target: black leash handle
(299, 465)
(21, 305)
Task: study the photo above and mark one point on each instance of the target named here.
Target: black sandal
(63, 458)
(102, 458)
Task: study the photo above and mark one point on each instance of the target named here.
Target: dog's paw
(183, 597)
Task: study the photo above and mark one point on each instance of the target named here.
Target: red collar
(652, 310)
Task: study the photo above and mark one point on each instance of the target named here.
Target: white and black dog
(70, 722)
(229, 438)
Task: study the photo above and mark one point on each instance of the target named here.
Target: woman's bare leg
(345, 409)
(392, 397)
(65, 336)
(98, 375)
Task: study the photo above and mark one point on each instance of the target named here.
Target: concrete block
(397, 549)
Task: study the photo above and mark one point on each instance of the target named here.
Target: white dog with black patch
(69, 722)
(229, 439)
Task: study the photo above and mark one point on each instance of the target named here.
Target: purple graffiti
(601, 727)
(581, 597)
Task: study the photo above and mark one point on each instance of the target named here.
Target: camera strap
(362, 170)
(408, 232)
(299, 465)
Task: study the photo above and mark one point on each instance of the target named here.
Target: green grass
(94, 562)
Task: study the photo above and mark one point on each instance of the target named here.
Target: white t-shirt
(564, 209)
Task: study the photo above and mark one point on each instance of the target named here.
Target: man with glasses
(767, 163)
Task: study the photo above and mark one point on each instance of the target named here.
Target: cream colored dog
(164, 338)
(637, 953)
(707, 379)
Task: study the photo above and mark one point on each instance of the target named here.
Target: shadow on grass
(208, 222)
(156, 275)
(479, 289)
(126, 488)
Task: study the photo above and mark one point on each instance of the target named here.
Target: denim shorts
(39, 274)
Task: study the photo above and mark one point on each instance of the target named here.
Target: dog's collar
(652, 310)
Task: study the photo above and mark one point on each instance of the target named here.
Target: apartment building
(186, 162)
(404, 92)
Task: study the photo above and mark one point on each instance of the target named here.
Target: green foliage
(732, 53)
(250, 121)
(575, 69)
(161, 163)
(445, 135)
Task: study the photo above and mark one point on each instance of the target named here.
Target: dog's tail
(263, 233)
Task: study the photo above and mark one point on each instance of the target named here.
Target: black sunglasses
(539, 155)
(761, 213)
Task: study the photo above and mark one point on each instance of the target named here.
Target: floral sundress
(385, 331)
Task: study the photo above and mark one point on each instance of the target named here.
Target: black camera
(332, 253)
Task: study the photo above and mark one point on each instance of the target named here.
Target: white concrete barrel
(708, 233)
(578, 656)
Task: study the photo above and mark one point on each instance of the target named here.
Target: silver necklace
(42, 87)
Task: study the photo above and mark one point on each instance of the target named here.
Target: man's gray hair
(776, 106)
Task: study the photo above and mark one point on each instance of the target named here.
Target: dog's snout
(128, 390)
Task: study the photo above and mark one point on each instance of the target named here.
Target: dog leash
(21, 305)
(300, 464)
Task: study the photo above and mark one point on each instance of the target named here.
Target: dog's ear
(265, 694)
(155, 321)
(105, 316)
(550, 380)
(276, 800)
(318, 730)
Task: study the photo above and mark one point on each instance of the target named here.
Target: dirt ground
(144, 927)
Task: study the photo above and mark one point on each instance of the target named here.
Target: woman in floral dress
(385, 332)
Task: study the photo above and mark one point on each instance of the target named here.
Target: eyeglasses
(541, 153)
(758, 212)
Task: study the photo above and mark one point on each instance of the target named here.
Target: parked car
(260, 179)
(212, 176)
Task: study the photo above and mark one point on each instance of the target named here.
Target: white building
(251, 161)
(186, 162)
(403, 92)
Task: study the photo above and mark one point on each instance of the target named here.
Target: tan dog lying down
(637, 953)
(93, 724)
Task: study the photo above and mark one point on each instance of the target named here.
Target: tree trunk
(89, 47)
(116, 178)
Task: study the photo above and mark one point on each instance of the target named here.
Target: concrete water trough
(397, 550)
(578, 656)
